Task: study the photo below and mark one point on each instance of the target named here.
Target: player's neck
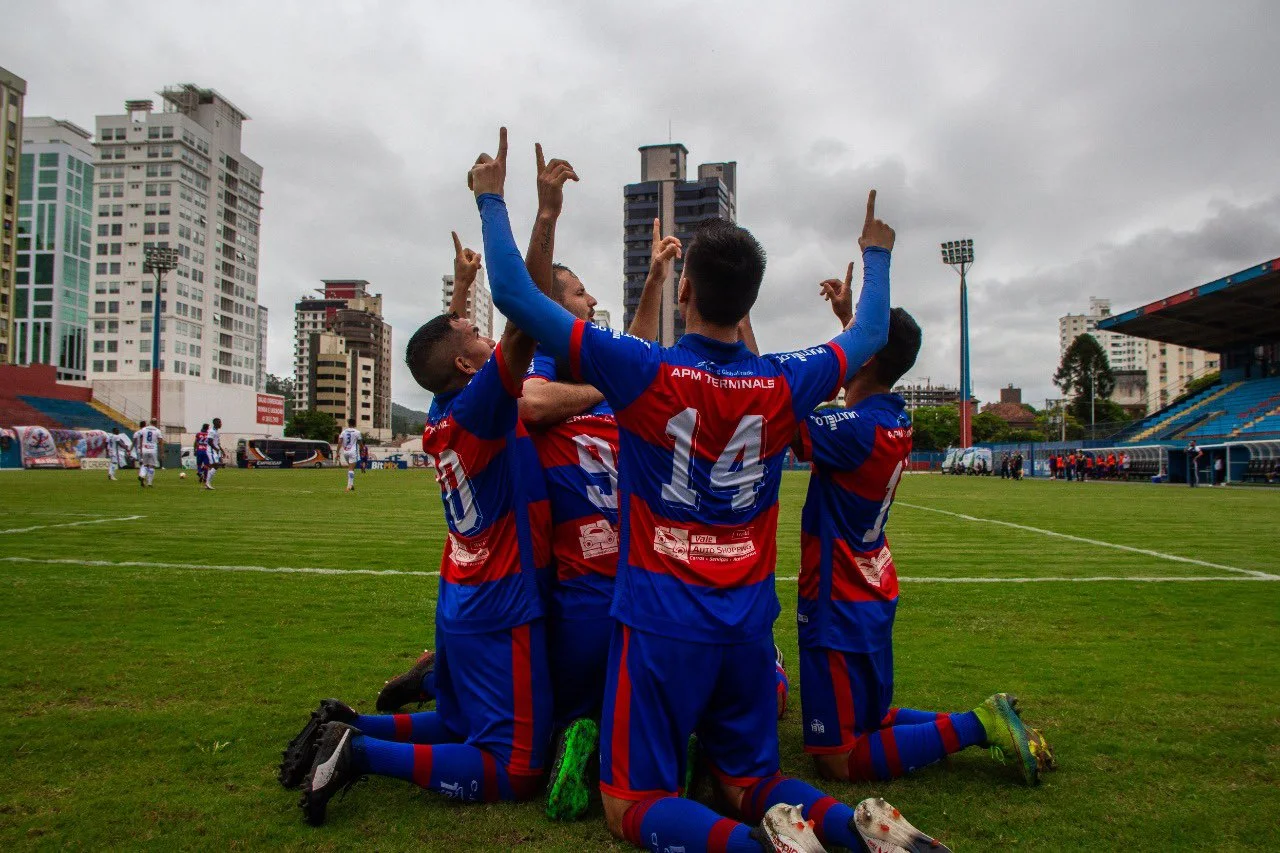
(723, 334)
(858, 390)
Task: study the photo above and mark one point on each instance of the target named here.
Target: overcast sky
(1125, 150)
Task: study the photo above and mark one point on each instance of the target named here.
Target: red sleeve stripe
(509, 382)
(844, 367)
(575, 349)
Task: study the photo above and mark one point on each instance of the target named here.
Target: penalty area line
(71, 524)
(273, 570)
(1096, 542)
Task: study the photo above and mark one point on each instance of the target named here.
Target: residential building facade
(479, 302)
(342, 356)
(665, 194)
(925, 394)
(13, 91)
(177, 179)
(54, 246)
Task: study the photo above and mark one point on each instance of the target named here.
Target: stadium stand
(70, 414)
(1239, 317)
(32, 396)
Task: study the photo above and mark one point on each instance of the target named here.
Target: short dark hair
(557, 284)
(428, 355)
(351, 422)
(115, 430)
(217, 422)
(898, 355)
(204, 427)
(725, 265)
(142, 423)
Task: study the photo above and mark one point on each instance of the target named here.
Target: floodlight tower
(158, 260)
(959, 255)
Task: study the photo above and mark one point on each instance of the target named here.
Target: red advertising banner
(271, 409)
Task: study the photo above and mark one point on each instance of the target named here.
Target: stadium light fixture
(158, 260)
(959, 255)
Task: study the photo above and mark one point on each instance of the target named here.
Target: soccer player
(703, 428)
(216, 453)
(136, 442)
(488, 738)
(149, 442)
(202, 453)
(849, 586)
(117, 452)
(349, 446)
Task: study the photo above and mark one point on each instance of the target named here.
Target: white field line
(291, 570)
(1096, 542)
(275, 570)
(71, 524)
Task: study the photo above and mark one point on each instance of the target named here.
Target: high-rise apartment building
(1168, 368)
(177, 179)
(664, 193)
(479, 302)
(342, 356)
(13, 90)
(924, 394)
(55, 239)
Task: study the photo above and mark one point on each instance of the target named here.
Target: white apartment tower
(177, 178)
(1124, 352)
(479, 302)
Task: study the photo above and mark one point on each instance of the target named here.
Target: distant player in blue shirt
(202, 453)
(849, 586)
(703, 429)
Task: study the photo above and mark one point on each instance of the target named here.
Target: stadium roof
(1241, 309)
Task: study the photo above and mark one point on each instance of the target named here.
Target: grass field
(147, 689)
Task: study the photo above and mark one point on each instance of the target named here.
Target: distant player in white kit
(117, 452)
(349, 446)
(215, 453)
(148, 441)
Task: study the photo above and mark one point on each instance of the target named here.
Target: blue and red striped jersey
(495, 501)
(848, 582)
(702, 430)
(202, 442)
(580, 461)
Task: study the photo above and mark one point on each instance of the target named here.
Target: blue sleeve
(543, 366)
(514, 292)
(621, 366)
(487, 406)
(870, 329)
(836, 439)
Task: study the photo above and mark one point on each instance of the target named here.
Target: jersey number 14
(744, 446)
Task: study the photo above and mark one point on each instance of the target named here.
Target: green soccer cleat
(569, 792)
(1006, 734)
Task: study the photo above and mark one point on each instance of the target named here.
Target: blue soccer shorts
(493, 690)
(660, 690)
(579, 653)
(843, 695)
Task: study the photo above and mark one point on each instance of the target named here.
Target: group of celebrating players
(607, 586)
(145, 446)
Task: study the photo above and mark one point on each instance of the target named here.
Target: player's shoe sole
(1006, 731)
(883, 829)
(332, 772)
(1042, 751)
(785, 830)
(569, 790)
(299, 755)
(406, 688)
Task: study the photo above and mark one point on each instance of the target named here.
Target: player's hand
(840, 295)
(663, 252)
(466, 263)
(551, 180)
(874, 232)
(489, 174)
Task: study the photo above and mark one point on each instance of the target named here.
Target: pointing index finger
(542, 163)
(457, 244)
(502, 147)
(657, 231)
(848, 276)
(871, 203)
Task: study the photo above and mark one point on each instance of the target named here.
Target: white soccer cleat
(884, 830)
(785, 828)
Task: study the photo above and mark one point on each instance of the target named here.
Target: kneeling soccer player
(487, 739)
(849, 587)
(699, 477)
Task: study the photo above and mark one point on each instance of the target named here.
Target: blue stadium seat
(1243, 410)
(70, 414)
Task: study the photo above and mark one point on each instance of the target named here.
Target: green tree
(1085, 375)
(282, 385)
(313, 424)
(988, 427)
(1050, 425)
(1024, 436)
(935, 427)
(1195, 386)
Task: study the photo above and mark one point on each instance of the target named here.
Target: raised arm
(514, 292)
(466, 266)
(662, 258)
(868, 331)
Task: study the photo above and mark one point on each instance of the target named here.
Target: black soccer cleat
(301, 751)
(333, 771)
(407, 688)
